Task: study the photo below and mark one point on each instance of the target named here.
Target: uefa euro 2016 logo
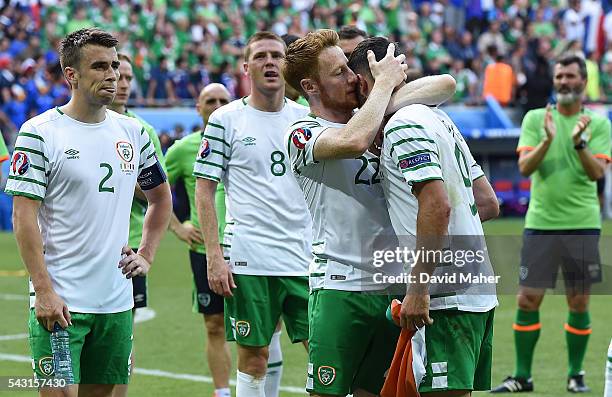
(300, 136)
(204, 149)
(21, 163)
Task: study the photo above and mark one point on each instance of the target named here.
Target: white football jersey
(347, 205)
(268, 230)
(421, 144)
(84, 175)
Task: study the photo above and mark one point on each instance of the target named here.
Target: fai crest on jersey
(45, 365)
(300, 136)
(243, 328)
(125, 151)
(21, 163)
(327, 375)
(204, 149)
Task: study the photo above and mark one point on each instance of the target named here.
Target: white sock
(275, 366)
(224, 392)
(249, 386)
(608, 389)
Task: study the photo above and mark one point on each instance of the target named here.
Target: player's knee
(528, 303)
(71, 391)
(578, 304)
(215, 326)
(253, 360)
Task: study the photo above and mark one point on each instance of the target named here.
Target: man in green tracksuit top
(179, 161)
(565, 148)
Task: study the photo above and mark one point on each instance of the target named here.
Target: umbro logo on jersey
(72, 154)
(249, 141)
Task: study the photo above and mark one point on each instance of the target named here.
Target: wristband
(581, 145)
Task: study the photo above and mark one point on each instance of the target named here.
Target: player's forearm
(430, 90)
(156, 220)
(592, 166)
(29, 241)
(529, 161)
(432, 228)
(207, 215)
(486, 199)
(174, 223)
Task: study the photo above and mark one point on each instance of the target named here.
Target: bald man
(180, 159)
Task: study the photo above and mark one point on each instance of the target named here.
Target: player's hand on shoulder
(390, 70)
(133, 264)
(50, 308)
(220, 278)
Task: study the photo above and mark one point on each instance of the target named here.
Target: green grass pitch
(170, 347)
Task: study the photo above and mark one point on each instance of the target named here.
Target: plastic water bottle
(608, 390)
(62, 360)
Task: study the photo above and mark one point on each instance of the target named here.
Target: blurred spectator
(538, 85)
(467, 81)
(160, 85)
(182, 85)
(493, 37)
(499, 79)
(593, 80)
(573, 21)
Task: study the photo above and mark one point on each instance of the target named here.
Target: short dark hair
(348, 32)
(568, 59)
(259, 36)
(358, 61)
(122, 56)
(70, 46)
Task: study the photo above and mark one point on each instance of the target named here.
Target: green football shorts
(252, 314)
(458, 351)
(100, 347)
(351, 342)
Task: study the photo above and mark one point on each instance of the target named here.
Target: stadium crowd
(180, 46)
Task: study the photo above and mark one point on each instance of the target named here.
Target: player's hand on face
(50, 308)
(133, 264)
(414, 313)
(549, 124)
(581, 125)
(390, 70)
(220, 278)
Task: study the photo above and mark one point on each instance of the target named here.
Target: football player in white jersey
(73, 175)
(437, 195)
(261, 268)
(351, 343)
